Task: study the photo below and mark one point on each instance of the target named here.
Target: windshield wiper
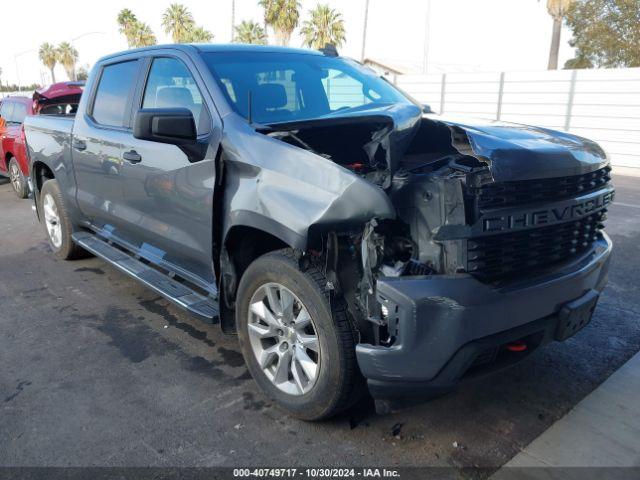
(359, 108)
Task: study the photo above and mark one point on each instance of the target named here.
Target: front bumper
(452, 326)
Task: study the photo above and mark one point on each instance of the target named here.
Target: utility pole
(364, 30)
(427, 34)
(233, 20)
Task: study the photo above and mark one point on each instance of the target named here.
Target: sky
(457, 35)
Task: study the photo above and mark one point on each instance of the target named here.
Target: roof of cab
(216, 48)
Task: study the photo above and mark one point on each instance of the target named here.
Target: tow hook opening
(516, 347)
(497, 356)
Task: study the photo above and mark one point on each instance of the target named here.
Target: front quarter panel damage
(287, 190)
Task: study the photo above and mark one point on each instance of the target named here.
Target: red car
(57, 99)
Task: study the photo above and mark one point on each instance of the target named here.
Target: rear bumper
(452, 326)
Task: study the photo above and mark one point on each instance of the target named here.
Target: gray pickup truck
(352, 240)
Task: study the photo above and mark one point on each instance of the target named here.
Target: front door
(168, 193)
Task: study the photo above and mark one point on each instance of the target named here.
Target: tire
(337, 382)
(57, 223)
(18, 180)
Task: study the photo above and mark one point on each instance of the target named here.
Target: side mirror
(166, 125)
(3, 123)
(427, 109)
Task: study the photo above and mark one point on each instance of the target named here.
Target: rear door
(168, 193)
(97, 146)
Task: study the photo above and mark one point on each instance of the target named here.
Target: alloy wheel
(284, 339)
(14, 176)
(52, 220)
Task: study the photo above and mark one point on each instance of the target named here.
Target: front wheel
(18, 181)
(298, 344)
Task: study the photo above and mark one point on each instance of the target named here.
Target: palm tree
(68, 56)
(557, 9)
(250, 32)
(177, 21)
(364, 29)
(198, 35)
(142, 36)
(127, 22)
(283, 16)
(49, 57)
(326, 26)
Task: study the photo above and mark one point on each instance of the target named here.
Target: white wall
(603, 105)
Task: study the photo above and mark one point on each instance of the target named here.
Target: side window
(111, 102)
(19, 113)
(7, 111)
(171, 85)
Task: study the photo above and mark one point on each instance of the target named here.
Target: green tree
(142, 36)
(178, 22)
(558, 10)
(137, 33)
(250, 32)
(198, 35)
(283, 16)
(49, 57)
(68, 56)
(326, 26)
(82, 73)
(606, 33)
(127, 21)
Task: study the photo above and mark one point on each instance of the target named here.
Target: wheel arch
(7, 158)
(41, 173)
(243, 243)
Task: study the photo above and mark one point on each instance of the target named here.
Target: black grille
(506, 194)
(511, 255)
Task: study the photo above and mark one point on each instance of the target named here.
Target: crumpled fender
(285, 190)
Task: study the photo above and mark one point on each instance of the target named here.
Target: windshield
(288, 87)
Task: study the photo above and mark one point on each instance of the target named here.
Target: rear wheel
(57, 223)
(297, 342)
(18, 181)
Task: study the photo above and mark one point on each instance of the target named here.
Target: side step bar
(203, 307)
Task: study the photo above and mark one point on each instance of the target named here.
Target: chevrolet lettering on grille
(558, 213)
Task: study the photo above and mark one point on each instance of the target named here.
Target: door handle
(132, 156)
(79, 145)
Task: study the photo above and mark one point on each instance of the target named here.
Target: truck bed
(49, 139)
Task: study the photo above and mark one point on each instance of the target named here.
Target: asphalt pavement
(96, 370)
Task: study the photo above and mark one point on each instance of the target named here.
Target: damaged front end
(437, 233)
(478, 210)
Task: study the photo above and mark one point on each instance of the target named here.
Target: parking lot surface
(96, 370)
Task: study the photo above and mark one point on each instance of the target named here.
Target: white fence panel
(603, 105)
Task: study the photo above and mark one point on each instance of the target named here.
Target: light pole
(427, 34)
(233, 20)
(364, 30)
(15, 60)
(86, 34)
